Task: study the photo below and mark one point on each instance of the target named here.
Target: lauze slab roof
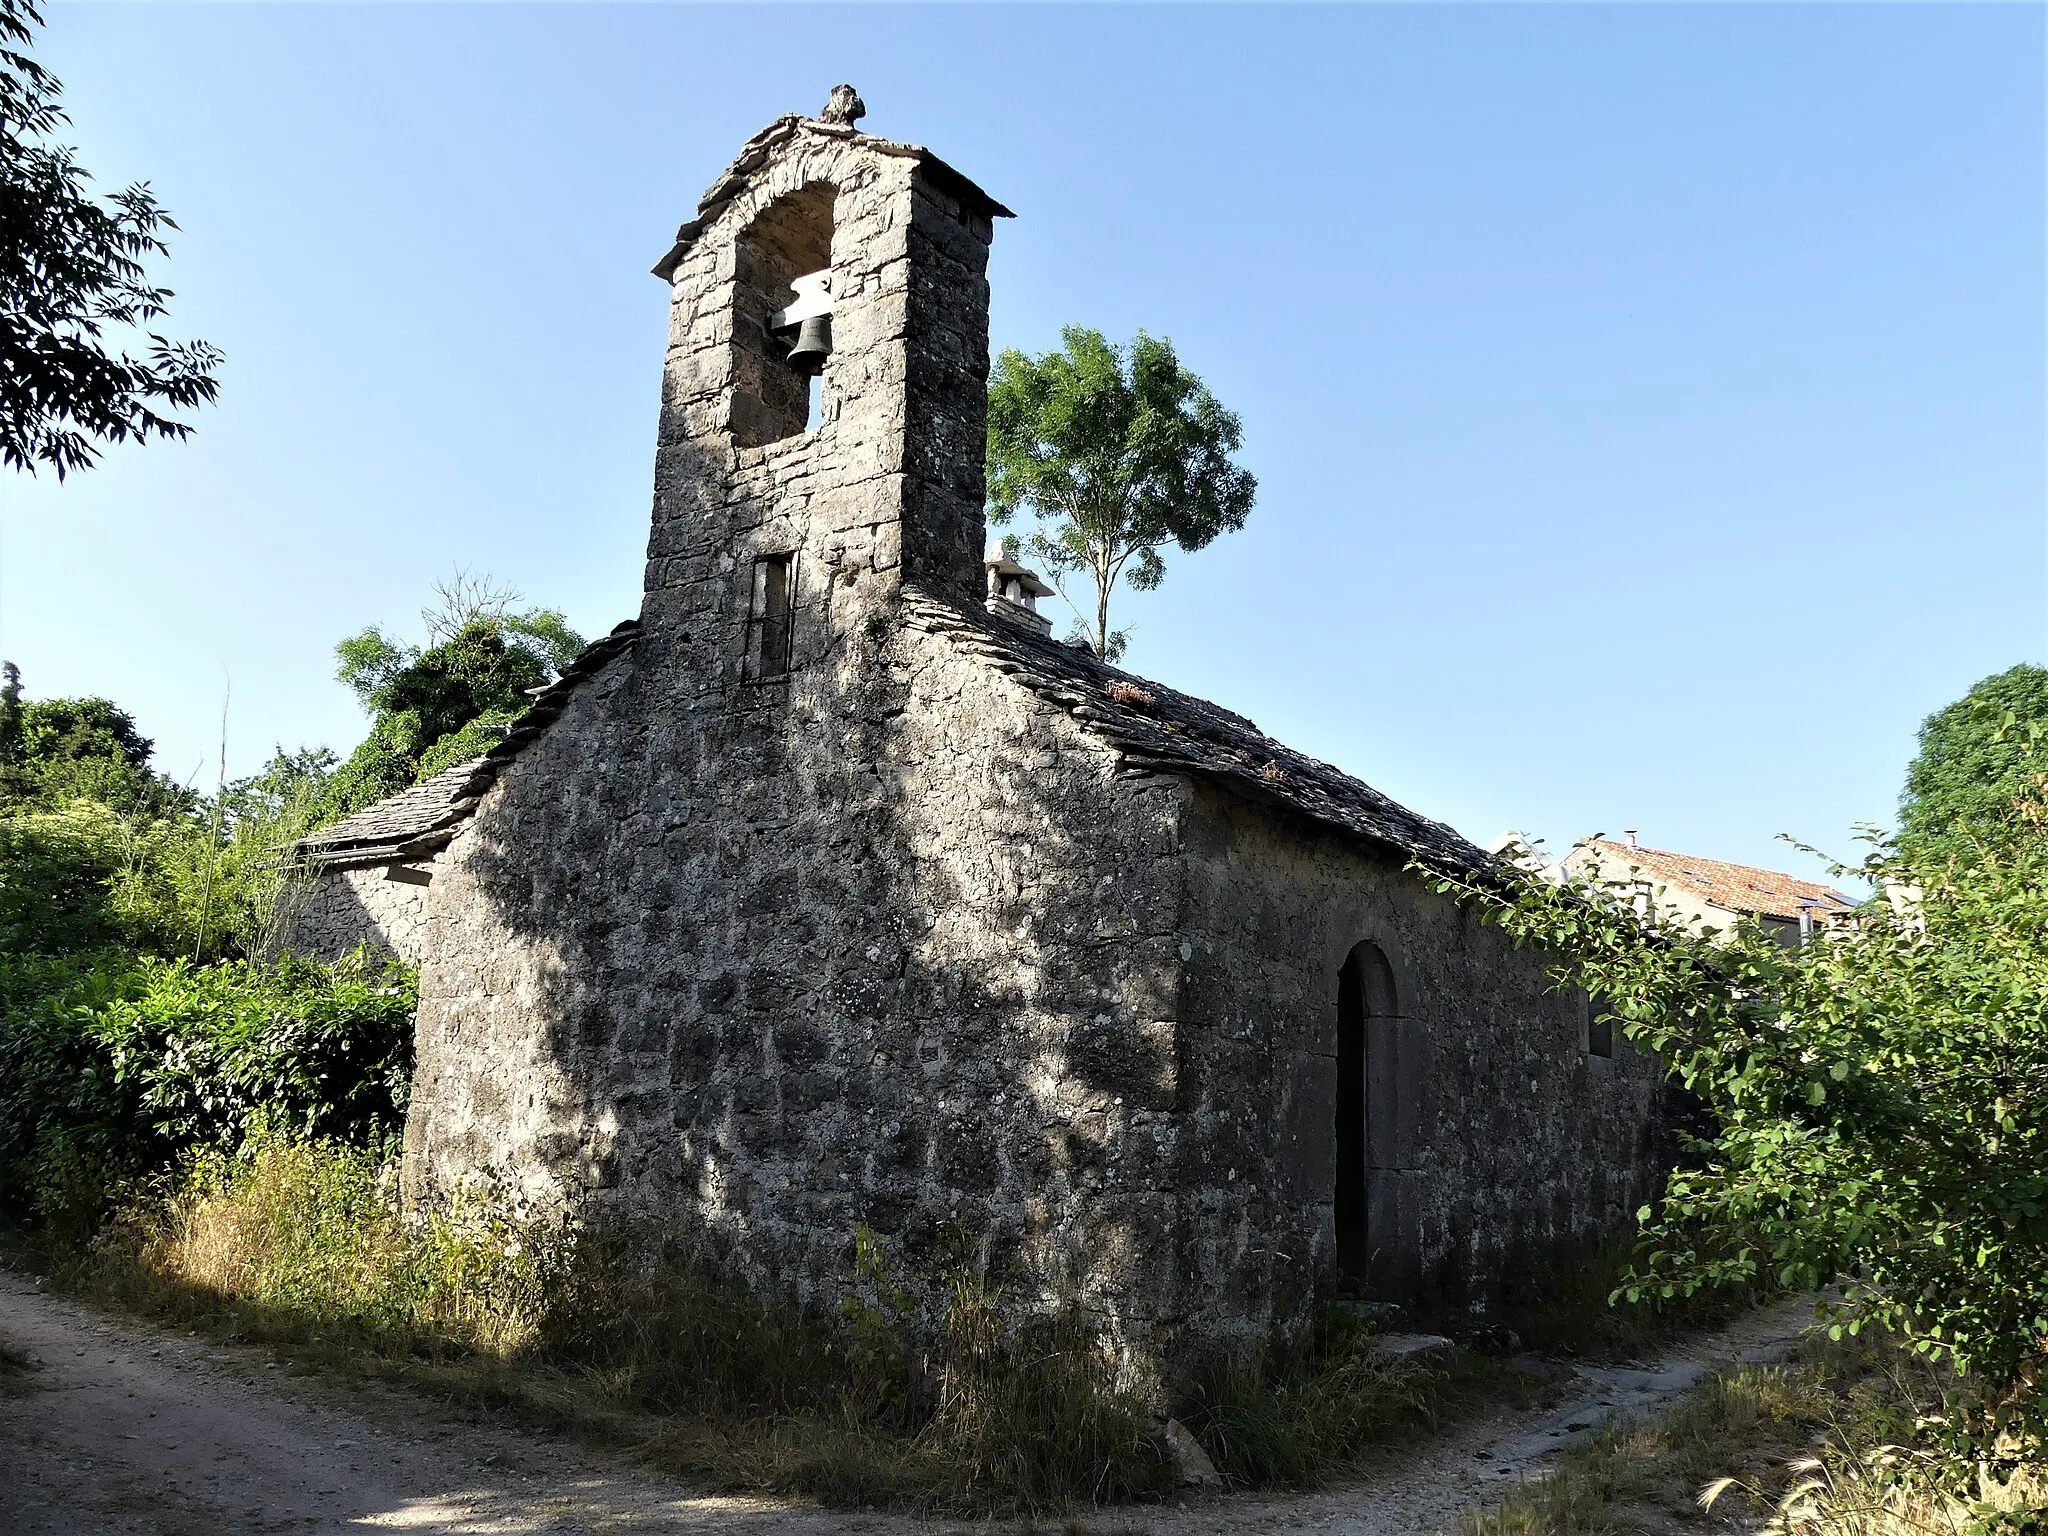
(1154, 727)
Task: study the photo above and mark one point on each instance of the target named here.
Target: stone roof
(401, 827)
(1154, 727)
(787, 129)
(1159, 729)
(418, 822)
(1733, 887)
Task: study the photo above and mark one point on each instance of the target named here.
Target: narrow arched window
(1366, 1006)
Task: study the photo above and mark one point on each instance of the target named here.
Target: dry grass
(961, 1413)
(1891, 1490)
(1805, 1449)
(1646, 1477)
(302, 1248)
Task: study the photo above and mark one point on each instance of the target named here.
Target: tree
(435, 706)
(57, 750)
(1880, 1098)
(1117, 452)
(1976, 760)
(71, 270)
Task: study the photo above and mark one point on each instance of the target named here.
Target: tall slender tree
(1118, 452)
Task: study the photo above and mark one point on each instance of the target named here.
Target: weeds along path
(118, 1426)
(1430, 1488)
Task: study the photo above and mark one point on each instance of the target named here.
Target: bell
(813, 346)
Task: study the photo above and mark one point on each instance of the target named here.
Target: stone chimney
(1014, 591)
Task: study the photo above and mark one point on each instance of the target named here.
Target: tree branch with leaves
(72, 272)
(1117, 452)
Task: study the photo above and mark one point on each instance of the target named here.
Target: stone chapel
(832, 891)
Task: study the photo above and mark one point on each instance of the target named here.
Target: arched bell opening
(781, 324)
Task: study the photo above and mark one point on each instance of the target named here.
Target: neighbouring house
(832, 891)
(1710, 894)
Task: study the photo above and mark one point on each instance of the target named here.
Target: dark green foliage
(96, 848)
(473, 740)
(281, 786)
(1977, 757)
(71, 730)
(112, 1068)
(9, 730)
(435, 707)
(1118, 451)
(57, 875)
(56, 750)
(383, 763)
(71, 269)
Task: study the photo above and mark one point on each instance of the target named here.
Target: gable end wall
(898, 948)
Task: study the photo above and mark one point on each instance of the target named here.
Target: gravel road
(126, 1427)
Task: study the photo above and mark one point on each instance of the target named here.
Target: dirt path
(124, 1427)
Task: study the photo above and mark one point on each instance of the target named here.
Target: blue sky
(1647, 401)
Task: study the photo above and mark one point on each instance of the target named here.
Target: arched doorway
(1379, 1071)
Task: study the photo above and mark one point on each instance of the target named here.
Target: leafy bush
(56, 874)
(112, 1068)
(473, 740)
(437, 706)
(1881, 1097)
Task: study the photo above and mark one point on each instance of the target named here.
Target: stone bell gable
(821, 487)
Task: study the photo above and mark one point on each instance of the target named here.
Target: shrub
(111, 1067)
(1878, 1098)
(56, 874)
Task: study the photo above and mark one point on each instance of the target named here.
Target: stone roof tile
(1159, 729)
(420, 820)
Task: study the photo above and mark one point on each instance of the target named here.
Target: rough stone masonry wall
(1520, 1138)
(909, 961)
(329, 913)
(886, 942)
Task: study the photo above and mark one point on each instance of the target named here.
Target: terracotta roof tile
(1735, 887)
